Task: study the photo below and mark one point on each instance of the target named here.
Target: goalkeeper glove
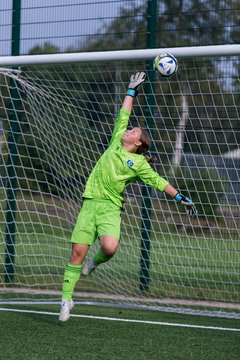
(186, 201)
(135, 81)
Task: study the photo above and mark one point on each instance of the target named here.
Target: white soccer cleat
(88, 268)
(66, 306)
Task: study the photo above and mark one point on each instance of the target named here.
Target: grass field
(40, 336)
(182, 267)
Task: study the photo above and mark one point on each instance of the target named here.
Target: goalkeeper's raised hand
(135, 81)
(186, 201)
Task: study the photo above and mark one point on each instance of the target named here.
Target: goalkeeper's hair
(145, 145)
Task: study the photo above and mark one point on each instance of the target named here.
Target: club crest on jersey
(130, 163)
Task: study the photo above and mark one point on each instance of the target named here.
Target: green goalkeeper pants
(97, 217)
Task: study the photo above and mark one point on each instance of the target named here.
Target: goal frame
(119, 55)
(141, 54)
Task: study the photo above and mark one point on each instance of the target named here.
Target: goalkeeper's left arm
(184, 200)
(152, 178)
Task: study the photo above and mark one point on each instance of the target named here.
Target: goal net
(57, 120)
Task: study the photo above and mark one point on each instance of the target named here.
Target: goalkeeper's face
(132, 137)
(138, 139)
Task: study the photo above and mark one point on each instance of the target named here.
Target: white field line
(124, 320)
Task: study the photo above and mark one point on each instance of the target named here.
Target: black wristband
(178, 197)
(132, 92)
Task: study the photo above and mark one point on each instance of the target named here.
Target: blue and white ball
(165, 64)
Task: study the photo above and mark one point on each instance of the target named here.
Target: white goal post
(58, 113)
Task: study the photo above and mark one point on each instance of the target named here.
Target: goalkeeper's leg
(109, 245)
(108, 228)
(71, 276)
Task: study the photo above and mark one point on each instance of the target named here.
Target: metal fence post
(15, 104)
(146, 192)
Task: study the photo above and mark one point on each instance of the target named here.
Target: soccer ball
(165, 64)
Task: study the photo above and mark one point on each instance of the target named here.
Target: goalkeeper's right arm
(132, 91)
(126, 109)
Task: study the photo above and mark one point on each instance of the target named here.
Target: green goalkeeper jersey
(117, 168)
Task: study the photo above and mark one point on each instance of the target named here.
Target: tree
(185, 23)
(180, 23)
(56, 110)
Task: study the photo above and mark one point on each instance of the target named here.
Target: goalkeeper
(100, 215)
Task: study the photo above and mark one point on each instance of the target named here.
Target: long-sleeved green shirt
(117, 168)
